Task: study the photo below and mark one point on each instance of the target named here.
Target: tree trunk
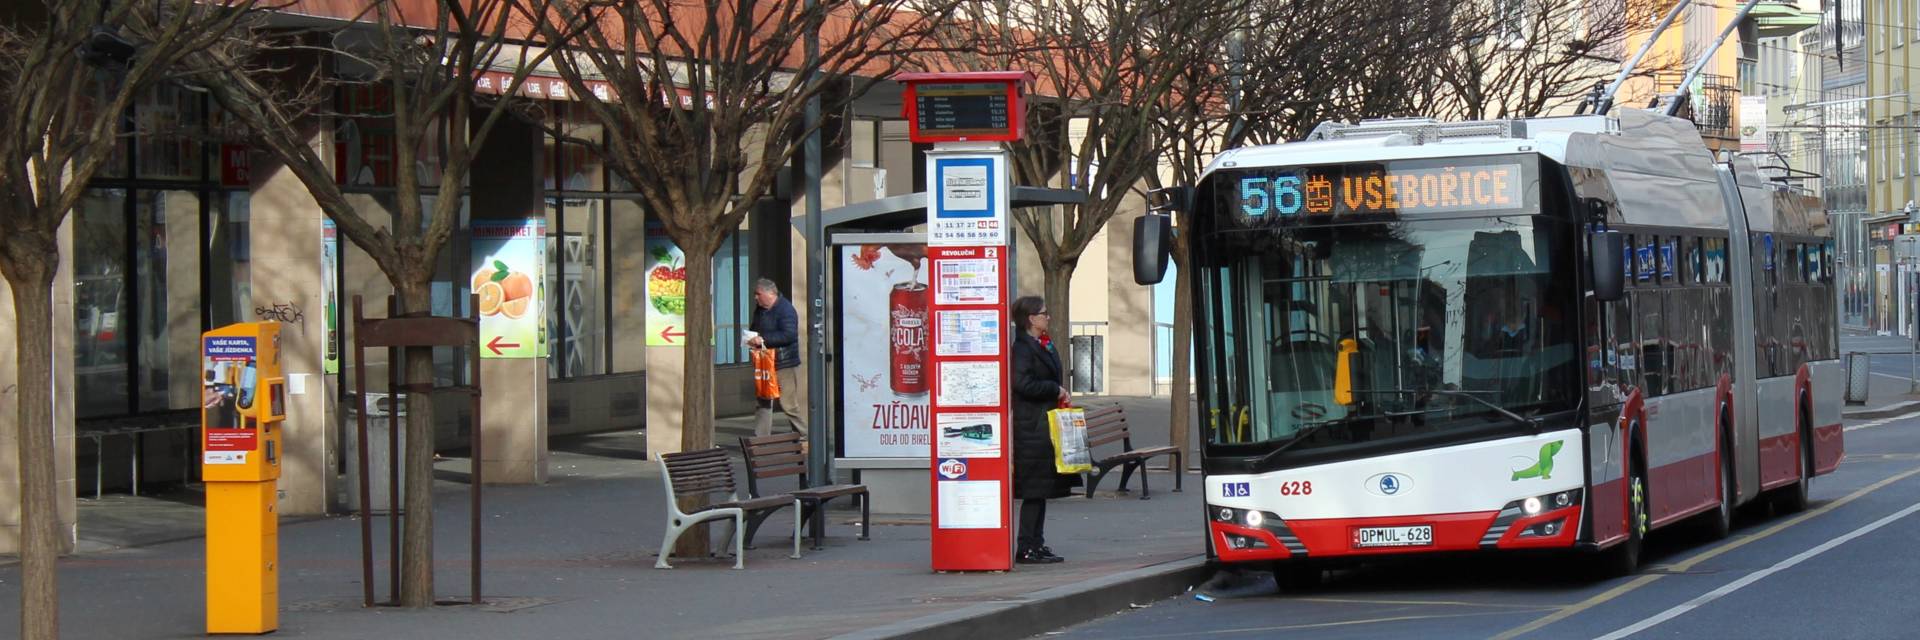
(1182, 422)
(416, 542)
(39, 511)
(1058, 285)
(696, 392)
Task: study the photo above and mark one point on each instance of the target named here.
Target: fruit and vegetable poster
(510, 280)
(330, 293)
(666, 290)
(883, 382)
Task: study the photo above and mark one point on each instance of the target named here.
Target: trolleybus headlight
(1531, 506)
(1563, 499)
(1254, 518)
(1226, 514)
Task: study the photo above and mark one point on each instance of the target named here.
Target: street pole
(819, 431)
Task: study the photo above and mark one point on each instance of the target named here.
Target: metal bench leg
(1094, 482)
(1179, 470)
(1126, 473)
(866, 516)
(135, 481)
(753, 524)
(739, 554)
(796, 531)
(99, 466)
(674, 529)
(1146, 492)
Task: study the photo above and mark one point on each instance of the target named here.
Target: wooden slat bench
(707, 472)
(776, 456)
(1108, 424)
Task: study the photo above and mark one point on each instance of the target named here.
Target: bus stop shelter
(875, 253)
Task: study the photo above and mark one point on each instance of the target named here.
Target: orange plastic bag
(766, 384)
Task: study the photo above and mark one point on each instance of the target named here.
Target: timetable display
(963, 109)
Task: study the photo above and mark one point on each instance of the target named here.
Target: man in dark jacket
(778, 327)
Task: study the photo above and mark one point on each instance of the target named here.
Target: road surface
(1845, 568)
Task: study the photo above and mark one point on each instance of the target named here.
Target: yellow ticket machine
(242, 404)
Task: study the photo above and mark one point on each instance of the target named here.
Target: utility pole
(819, 431)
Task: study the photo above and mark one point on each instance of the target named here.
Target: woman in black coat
(1038, 387)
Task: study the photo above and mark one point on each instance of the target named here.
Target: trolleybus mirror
(1152, 246)
(1607, 250)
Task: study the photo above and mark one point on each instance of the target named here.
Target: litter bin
(1088, 372)
(1858, 374)
(379, 456)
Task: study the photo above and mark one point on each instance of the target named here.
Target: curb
(1895, 409)
(1049, 609)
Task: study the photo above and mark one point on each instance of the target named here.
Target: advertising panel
(666, 290)
(330, 293)
(884, 383)
(230, 377)
(509, 277)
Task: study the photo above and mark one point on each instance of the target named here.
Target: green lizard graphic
(1544, 468)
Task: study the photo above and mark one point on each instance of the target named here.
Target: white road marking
(1756, 576)
(1880, 422)
(1889, 375)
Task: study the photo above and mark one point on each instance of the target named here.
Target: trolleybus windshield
(1470, 303)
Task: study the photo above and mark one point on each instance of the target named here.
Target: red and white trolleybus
(1555, 333)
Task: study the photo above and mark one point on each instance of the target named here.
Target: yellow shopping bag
(1068, 427)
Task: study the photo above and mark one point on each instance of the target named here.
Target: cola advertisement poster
(884, 351)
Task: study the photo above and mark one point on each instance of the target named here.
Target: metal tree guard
(396, 334)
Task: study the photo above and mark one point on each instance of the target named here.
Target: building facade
(1892, 47)
(189, 229)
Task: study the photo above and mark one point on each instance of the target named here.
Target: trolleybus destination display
(1299, 194)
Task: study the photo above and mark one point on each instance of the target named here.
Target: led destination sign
(1394, 189)
(974, 109)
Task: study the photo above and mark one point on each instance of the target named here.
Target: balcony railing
(1710, 105)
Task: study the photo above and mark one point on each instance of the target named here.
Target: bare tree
(427, 68)
(1109, 63)
(706, 110)
(68, 73)
(1526, 58)
(1365, 59)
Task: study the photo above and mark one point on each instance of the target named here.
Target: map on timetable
(969, 384)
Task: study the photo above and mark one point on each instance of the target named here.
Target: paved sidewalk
(1889, 387)
(573, 558)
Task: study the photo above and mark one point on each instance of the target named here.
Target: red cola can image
(907, 337)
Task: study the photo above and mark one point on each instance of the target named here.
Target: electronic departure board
(1374, 190)
(965, 106)
(969, 109)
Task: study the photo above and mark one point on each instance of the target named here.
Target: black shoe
(1038, 556)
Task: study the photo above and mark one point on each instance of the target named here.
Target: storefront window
(365, 141)
(575, 182)
(229, 265)
(100, 304)
(169, 125)
(732, 305)
(167, 273)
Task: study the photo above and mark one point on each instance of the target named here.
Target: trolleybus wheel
(1720, 520)
(1623, 559)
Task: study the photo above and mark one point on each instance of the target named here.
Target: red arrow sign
(668, 334)
(496, 345)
